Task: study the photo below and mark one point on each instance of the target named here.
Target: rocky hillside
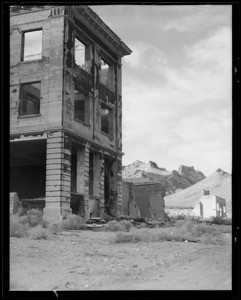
(172, 181)
(219, 184)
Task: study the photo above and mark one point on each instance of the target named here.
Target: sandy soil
(87, 260)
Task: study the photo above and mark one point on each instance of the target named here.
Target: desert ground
(92, 260)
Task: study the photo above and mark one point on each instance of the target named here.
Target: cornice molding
(17, 9)
(91, 20)
(87, 16)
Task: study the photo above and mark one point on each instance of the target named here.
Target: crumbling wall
(129, 206)
(15, 204)
(148, 197)
(88, 81)
(143, 200)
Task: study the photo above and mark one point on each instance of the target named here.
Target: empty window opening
(80, 53)
(81, 111)
(29, 99)
(74, 172)
(106, 119)
(91, 174)
(32, 45)
(104, 72)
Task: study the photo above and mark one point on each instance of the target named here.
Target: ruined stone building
(65, 110)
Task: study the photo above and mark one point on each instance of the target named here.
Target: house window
(80, 53)
(29, 99)
(81, 107)
(32, 45)
(106, 119)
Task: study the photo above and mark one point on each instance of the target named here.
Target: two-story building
(65, 110)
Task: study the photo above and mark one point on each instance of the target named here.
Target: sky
(176, 84)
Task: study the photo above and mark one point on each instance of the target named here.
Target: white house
(210, 206)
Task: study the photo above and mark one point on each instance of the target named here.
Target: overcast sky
(177, 84)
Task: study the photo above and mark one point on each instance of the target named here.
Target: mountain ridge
(172, 181)
(219, 184)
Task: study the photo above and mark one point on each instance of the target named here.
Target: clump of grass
(143, 235)
(35, 217)
(72, 222)
(38, 232)
(17, 229)
(114, 225)
(23, 220)
(218, 220)
(183, 230)
(194, 230)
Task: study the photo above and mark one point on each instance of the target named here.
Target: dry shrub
(38, 232)
(142, 235)
(191, 230)
(17, 229)
(72, 222)
(23, 220)
(218, 220)
(184, 230)
(35, 217)
(114, 225)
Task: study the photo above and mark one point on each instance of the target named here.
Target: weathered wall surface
(144, 200)
(148, 198)
(88, 80)
(47, 70)
(129, 206)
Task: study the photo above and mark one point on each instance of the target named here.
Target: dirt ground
(89, 260)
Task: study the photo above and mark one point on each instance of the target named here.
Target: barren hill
(219, 184)
(172, 181)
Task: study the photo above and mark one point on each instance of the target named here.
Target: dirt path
(91, 261)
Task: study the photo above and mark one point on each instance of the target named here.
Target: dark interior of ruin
(28, 169)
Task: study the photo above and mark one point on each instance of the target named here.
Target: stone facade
(66, 110)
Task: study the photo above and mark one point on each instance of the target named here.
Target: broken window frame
(86, 112)
(25, 96)
(109, 82)
(39, 55)
(83, 66)
(109, 119)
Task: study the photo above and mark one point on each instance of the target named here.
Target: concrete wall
(48, 70)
